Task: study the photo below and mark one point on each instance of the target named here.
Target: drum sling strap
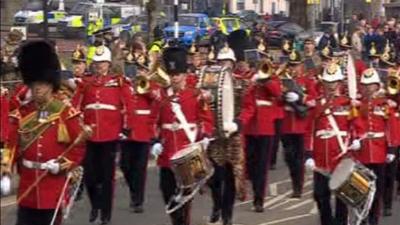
(176, 108)
(335, 127)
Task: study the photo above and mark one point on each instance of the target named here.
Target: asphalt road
(279, 208)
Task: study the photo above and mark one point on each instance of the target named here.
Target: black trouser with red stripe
(322, 195)
(258, 149)
(99, 166)
(276, 140)
(374, 212)
(222, 185)
(133, 163)
(169, 189)
(390, 177)
(293, 145)
(30, 216)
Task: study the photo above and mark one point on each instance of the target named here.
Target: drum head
(341, 173)
(219, 80)
(226, 99)
(186, 151)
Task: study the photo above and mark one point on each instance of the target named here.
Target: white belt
(379, 113)
(176, 126)
(263, 103)
(375, 134)
(34, 165)
(342, 113)
(97, 106)
(288, 108)
(142, 112)
(326, 134)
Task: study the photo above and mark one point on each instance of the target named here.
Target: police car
(74, 25)
(31, 14)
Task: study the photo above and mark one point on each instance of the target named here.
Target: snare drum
(191, 166)
(351, 182)
(219, 81)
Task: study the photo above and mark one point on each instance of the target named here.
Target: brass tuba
(157, 74)
(393, 84)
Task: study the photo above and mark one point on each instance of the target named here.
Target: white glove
(355, 145)
(230, 127)
(5, 185)
(391, 103)
(205, 142)
(310, 164)
(53, 166)
(292, 96)
(390, 158)
(122, 136)
(157, 149)
(311, 103)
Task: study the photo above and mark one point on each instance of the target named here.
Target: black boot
(258, 205)
(94, 213)
(227, 217)
(387, 212)
(227, 221)
(215, 215)
(105, 217)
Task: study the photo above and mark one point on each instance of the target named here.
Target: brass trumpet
(393, 85)
(157, 74)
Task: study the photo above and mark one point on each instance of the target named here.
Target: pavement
(280, 209)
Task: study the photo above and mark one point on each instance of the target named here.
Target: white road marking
(314, 210)
(249, 201)
(284, 202)
(286, 219)
(282, 196)
(295, 206)
(273, 189)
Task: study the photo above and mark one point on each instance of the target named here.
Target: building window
(240, 5)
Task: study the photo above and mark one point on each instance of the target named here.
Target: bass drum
(218, 80)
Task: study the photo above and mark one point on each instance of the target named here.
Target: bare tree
(298, 12)
(151, 9)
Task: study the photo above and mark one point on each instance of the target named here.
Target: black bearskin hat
(38, 61)
(238, 41)
(175, 60)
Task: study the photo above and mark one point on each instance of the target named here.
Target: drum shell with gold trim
(191, 166)
(351, 182)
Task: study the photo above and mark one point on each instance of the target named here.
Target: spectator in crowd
(356, 41)
(353, 24)
(327, 39)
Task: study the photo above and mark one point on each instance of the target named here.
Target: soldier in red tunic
(4, 104)
(176, 133)
(296, 120)
(103, 98)
(370, 132)
(139, 132)
(44, 136)
(392, 75)
(257, 118)
(327, 144)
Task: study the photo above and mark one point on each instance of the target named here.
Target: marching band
(212, 114)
